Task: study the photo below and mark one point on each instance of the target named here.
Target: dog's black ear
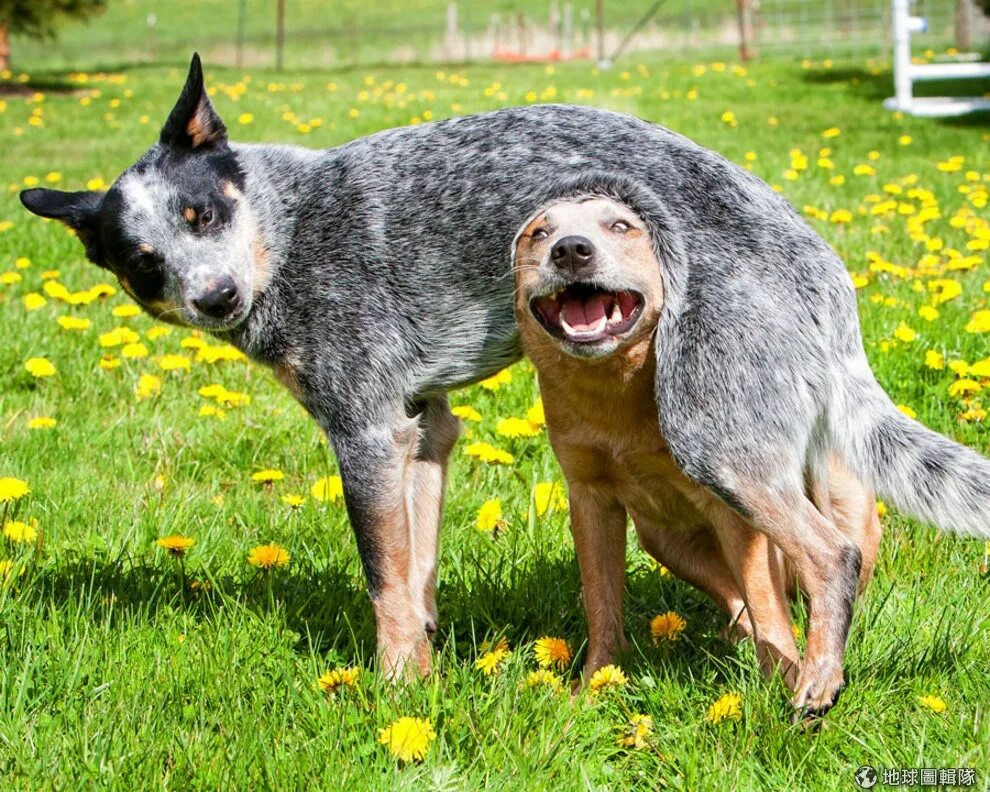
(193, 122)
(78, 210)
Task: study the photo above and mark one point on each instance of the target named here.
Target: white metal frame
(907, 73)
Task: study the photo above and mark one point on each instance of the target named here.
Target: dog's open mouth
(585, 314)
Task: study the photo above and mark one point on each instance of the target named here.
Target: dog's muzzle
(220, 301)
(585, 313)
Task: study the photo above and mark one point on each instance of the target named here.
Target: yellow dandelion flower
(245, 118)
(667, 626)
(125, 311)
(535, 414)
(609, 677)
(964, 387)
(212, 411)
(6, 567)
(928, 313)
(295, 501)
(933, 703)
(493, 383)
(109, 362)
(490, 516)
(176, 544)
(981, 368)
(134, 351)
(979, 322)
(234, 399)
(516, 427)
(637, 732)
(959, 367)
(543, 678)
(466, 413)
(158, 331)
(268, 475)
(17, 531)
(39, 367)
(338, 678)
(10, 278)
(491, 660)
(548, 495)
(41, 422)
(727, 707)
(173, 362)
(488, 453)
(908, 411)
(905, 333)
(408, 739)
(193, 342)
(148, 385)
(268, 556)
(73, 323)
(552, 652)
(329, 489)
(34, 301)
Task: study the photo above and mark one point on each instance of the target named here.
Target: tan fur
(287, 372)
(189, 214)
(616, 462)
(199, 129)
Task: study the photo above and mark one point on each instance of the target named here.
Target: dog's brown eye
(621, 226)
(538, 234)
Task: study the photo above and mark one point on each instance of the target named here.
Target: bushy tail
(919, 471)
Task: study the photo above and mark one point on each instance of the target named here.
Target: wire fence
(319, 34)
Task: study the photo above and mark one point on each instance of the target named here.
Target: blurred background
(313, 34)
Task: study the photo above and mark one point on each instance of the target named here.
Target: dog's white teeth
(598, 329)
(616, 313)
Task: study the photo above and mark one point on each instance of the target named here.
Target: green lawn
(121, 669)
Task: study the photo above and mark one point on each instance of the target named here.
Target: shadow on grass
(54, 83)
(869, 87)
(328, 608)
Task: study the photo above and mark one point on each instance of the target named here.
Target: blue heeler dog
(376, 276)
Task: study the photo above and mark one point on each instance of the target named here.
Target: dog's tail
(921, 472)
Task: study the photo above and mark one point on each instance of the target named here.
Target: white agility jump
(907, 73)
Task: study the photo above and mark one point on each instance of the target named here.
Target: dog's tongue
(584, 314)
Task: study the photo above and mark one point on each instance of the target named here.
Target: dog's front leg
(374, 462)
(425, 475)
(599, 527)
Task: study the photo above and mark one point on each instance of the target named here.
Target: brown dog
(589, 296)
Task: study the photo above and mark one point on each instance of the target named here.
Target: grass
(119, 668)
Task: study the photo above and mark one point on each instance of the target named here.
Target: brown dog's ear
(193, 122)
(78, 210)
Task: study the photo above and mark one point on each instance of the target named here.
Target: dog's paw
(818, 690)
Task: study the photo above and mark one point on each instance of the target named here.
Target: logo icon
(866, 777)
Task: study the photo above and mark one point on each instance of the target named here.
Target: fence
(351, 32)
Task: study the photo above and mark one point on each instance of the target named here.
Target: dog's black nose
(220, 300)
(572, 253)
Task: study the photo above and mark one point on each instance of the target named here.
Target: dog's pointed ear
(193, 122)
(78, 210)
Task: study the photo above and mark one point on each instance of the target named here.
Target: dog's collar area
(585, 313)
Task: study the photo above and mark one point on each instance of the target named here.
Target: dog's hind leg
(827, 563)
(425, 474)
